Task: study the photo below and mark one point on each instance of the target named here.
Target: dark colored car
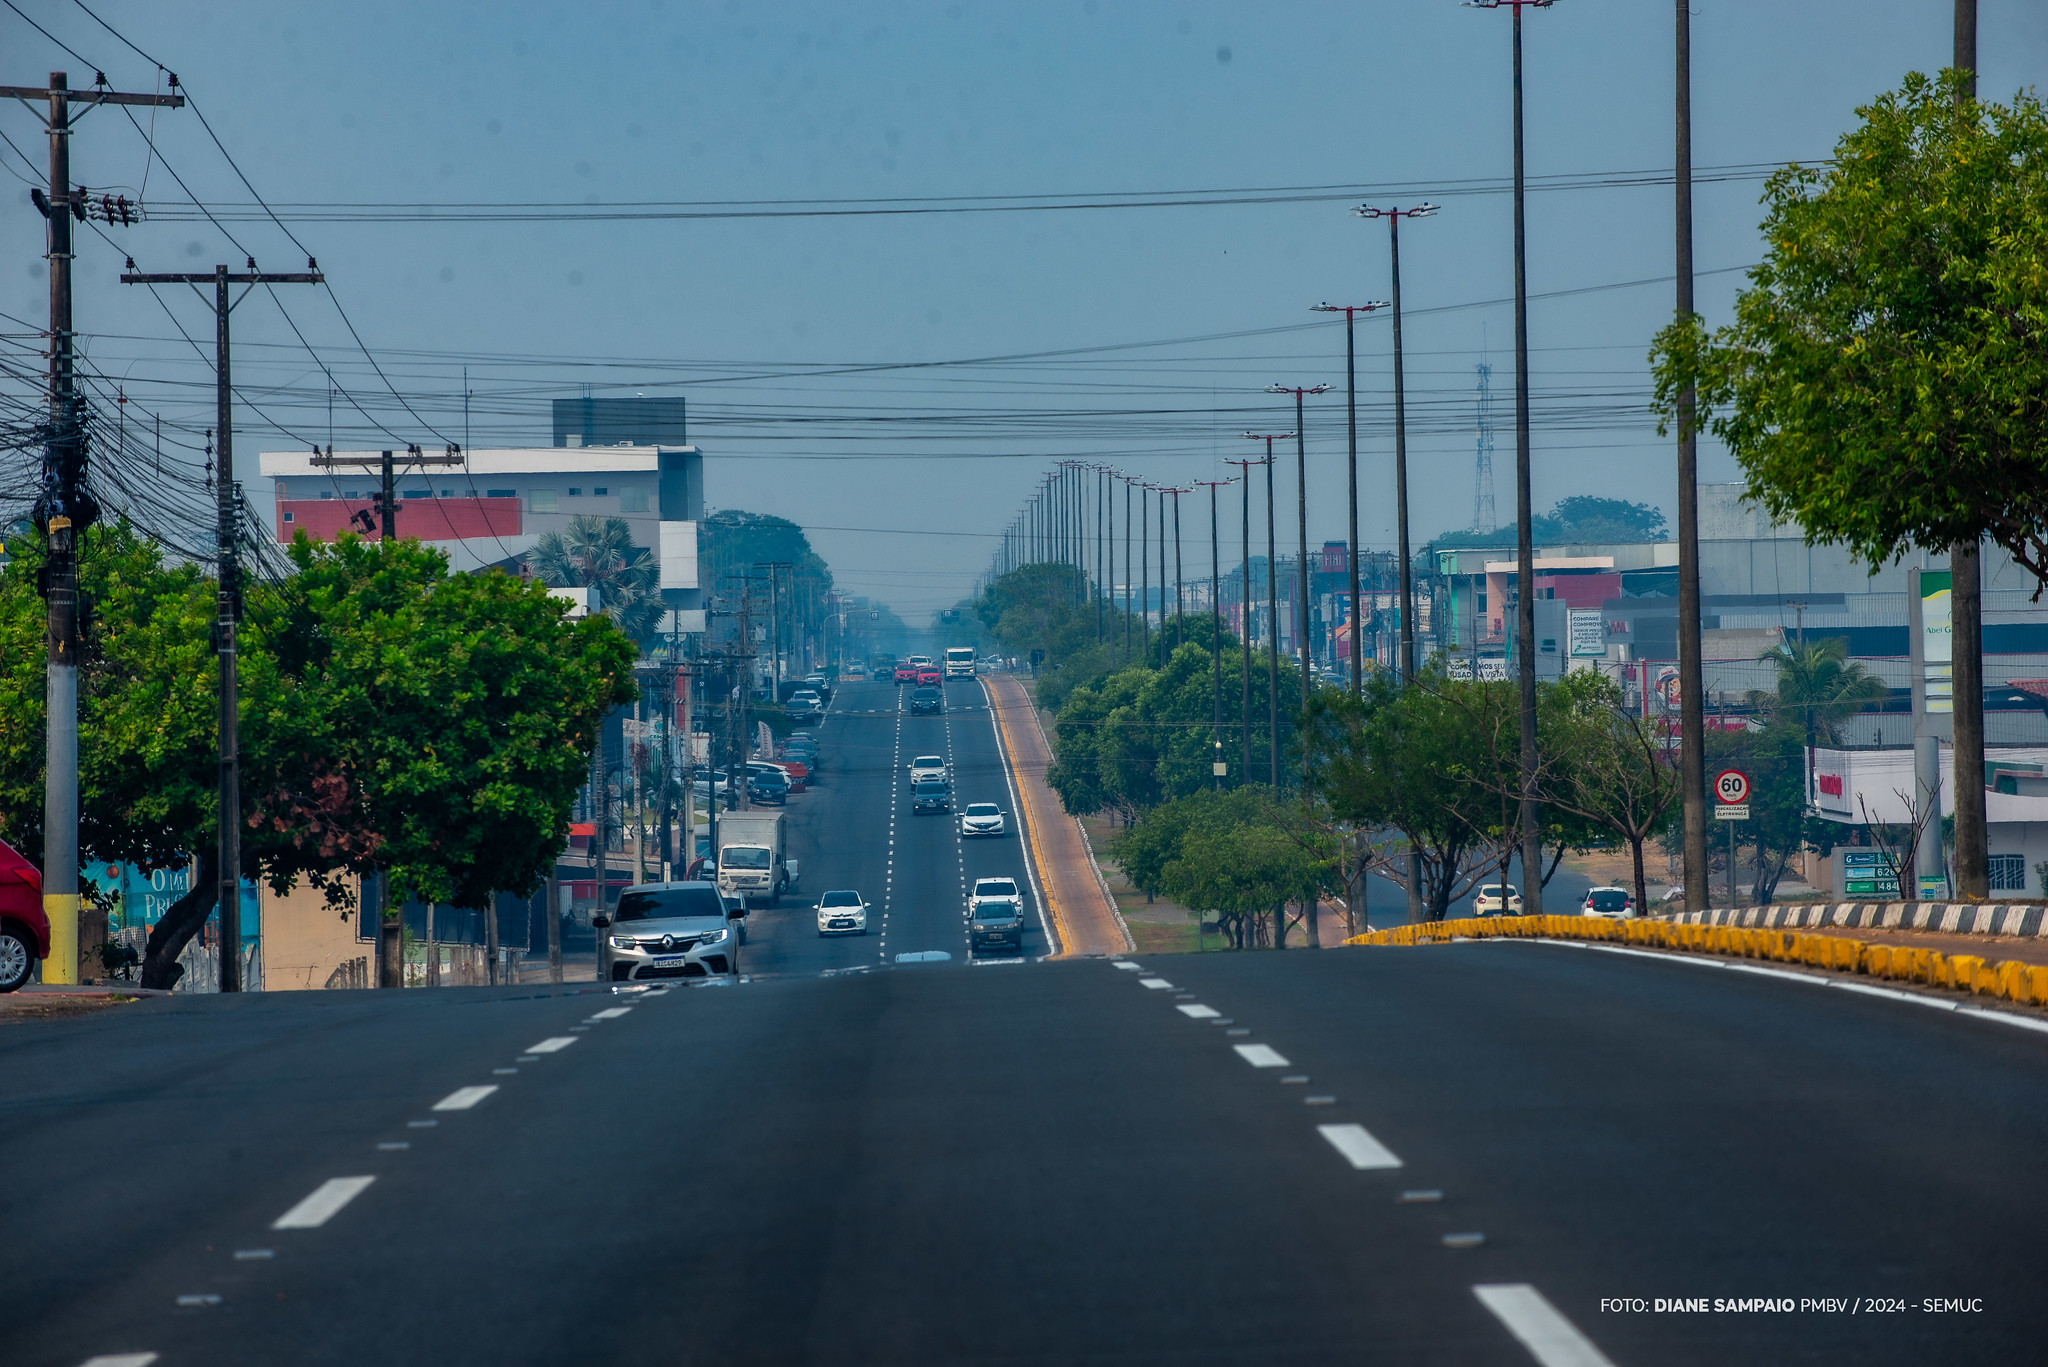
(929, 674)
(996, 925)
(931, 795)
(24, 930)
(769, 786)
(906, 673)
(926, 701)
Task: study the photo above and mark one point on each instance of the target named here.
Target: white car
(1609, 901)
(842, 913)
(982, 818)
(927, 767)
(1497, 899)
(994, 890)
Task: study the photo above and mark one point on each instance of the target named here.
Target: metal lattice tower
(1484, 518)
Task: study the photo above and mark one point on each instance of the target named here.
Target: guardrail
(2006, 979)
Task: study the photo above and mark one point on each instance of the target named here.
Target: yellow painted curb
(2007, 980)
(1030, 819)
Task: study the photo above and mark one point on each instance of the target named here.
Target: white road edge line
(1260, 1055)
(327, 1199)
(554, 1044)
(1551, 1339)
(1358, 1146)
(462, 1098)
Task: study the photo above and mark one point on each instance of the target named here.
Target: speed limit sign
(1731, 787)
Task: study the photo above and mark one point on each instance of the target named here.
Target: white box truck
(960, 662)
(751, 861)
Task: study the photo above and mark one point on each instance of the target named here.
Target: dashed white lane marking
(1358, 1146)
(1129, 967)
(1260, 1055)
(610, 1013)
(1198, 1011)
(1550, 1338)
(120, 1360)
(1155, 983)
(462, 1098)
(554, 1044)
(320, 1207)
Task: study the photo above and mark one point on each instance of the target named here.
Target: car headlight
(716, 937)
(622, 942)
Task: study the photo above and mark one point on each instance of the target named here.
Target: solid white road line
(462, 1098)
(1260, 1055)
(552, 1045)
(120, 1360)
(1156, 984)
(327, 1199)
(1358, 1146)
(1550, 1338)
(1198, 1011)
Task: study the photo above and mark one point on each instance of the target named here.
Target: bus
(960, 662)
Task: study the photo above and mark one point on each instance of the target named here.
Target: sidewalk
(1083, 918)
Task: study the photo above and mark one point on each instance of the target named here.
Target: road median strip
(2006, 980)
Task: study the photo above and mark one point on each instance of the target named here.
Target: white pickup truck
(752, 865)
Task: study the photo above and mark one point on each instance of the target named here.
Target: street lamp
(1301, 509)
(1350, 312)
(1525, 552)
(1406, 662)
(1272, 611)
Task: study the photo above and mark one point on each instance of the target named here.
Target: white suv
(926, 767)
(1497, 899)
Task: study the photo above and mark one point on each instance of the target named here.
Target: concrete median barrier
(2008, 980)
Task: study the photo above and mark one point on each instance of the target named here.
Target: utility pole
(1973, 873)
(1215, 631)
(1144, 577)
(64, 509)
(1692, 727)
(1405, 662)
(1351, 312)
(227, 585)
(1301, 511)
(1272, 603)
(390, 924)
(1244, 604)
(1180, 609)
(1127, 565)
(1525, 554)
(1101, 584)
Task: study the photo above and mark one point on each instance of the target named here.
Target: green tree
(598, 553)
(1819, 687)
(1884, 382)
(1606, 766)
(1237, 854)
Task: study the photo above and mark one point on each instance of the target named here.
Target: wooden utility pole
(227, 580)
(1973, 872)
(64, 509)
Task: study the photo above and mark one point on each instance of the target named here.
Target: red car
(24, 930)
(929, 674)
(906, 673)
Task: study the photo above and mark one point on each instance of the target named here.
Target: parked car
(799, 772)
(767, 784)
(669, 930)
(995, 915)
(844, 912)
(1497, 899)
(24, 930)
(804, 706)
(927, 767)
(932, 795)
(821, 684)
(1614, 902)
(926, 701)
(982, 818)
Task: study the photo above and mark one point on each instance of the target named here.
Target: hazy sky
(772, 326)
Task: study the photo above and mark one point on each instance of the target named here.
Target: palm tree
(1819, 686)
(598, 553)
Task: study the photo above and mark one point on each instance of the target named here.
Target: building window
(598, 492)
(287, 515)
(2008, 872)
(418, 493)
(450, 493)
(501, 493)
(544, 500)
(633, 499)
(350, 493)
(327, 493)
(575, 493)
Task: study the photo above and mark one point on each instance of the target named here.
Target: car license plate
(665, 959)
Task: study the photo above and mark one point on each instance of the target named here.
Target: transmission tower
(1483, 516)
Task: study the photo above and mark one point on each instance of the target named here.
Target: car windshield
(659, 904)
(1608, 901)
(931, 787)
(744, 857)
(840, 899)
(995, 887)
(926, 693)
(927, 762)
(995, 911)
(983, 809)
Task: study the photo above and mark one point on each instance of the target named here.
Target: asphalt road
(1029, 1162)
(854, 829)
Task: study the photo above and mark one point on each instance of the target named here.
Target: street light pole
(1301, 511)
(1244, 602)
(1272, 609)
(1215, 630)
(1406, 661)
(1525, 553)
(1350, 312)
(1180, 608)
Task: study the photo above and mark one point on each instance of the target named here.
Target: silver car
(670, 930)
